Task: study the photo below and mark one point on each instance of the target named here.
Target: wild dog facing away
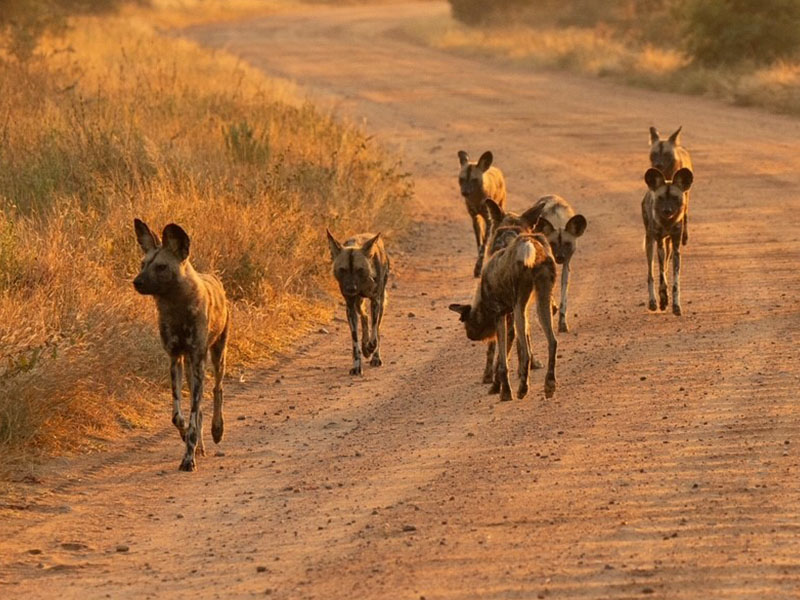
(558, 222)
(361, 267)
(505, 226)
(663, 210)
(478, 181)
(511, 276)
(668, 156)
(193, 321)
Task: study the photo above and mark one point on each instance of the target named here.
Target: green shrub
(726, 32)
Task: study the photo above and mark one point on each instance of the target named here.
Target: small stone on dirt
(648, 590)
(409, 528)
(122, 548)
(323, 331)
(261, 569)
(34, 551)
(411, 315)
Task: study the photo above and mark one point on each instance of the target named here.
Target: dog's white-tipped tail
(526, 253)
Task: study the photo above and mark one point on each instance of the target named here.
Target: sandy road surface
(667, 465)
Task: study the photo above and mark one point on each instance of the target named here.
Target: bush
(727, 32)
(475, 12)
(23, 22)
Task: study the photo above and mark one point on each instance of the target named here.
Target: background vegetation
(745, 51)
(103, 119)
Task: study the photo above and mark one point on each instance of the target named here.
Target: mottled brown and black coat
(193, 322)
(478, 181)
(669, 156)
(520, 267)
(663, 211)
(361, 268)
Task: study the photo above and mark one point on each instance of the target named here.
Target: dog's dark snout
(137, 283)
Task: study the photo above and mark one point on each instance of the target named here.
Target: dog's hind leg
(217, 353)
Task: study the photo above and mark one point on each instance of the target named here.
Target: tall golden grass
(617, 54)
(113, 122)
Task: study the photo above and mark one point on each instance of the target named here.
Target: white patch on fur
(526, 253)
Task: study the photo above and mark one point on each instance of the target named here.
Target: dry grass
(116, 121)
(603, 52)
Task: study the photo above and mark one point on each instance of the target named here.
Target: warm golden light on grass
(115, 122)
(601, 51)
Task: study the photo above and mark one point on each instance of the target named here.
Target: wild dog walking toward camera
(361, 266)
(478, 181)
(663, 211)
(511, 276)
(668, 156)
(558, 222)
(193, 320)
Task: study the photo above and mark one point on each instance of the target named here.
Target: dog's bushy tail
(526, 253)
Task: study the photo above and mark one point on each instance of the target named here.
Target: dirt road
(666, 466)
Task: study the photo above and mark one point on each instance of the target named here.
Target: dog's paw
(217, 431)
(549, 386)
(188, 464)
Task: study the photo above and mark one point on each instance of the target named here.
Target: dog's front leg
(352, 319)
(176, 377)
(194, 433)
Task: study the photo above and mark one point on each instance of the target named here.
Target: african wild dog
(193, 320)
(663, 210)
(361, 266)
(478, 181)
(505, 226)
(511, 276)
(668, 156)
(562, 228)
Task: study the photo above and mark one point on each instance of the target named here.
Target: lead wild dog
(361, 267)
(478, 181)
(663, 209)
(193, 321)
(668, 156)
(511, 277)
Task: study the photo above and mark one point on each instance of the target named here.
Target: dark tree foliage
(22, 22)
(475, 12)
(726, 32)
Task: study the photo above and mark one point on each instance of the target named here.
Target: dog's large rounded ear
(654, 178)
(543, 226)
(333, 244)
(146, 238)
(654, 135)
(463, 157)
(176, 241)
(531, 216)
(576, 225)
(369, 246)
(496, 213)
(462, 309)
(683, 179)
(485, 161)
(675, 138)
